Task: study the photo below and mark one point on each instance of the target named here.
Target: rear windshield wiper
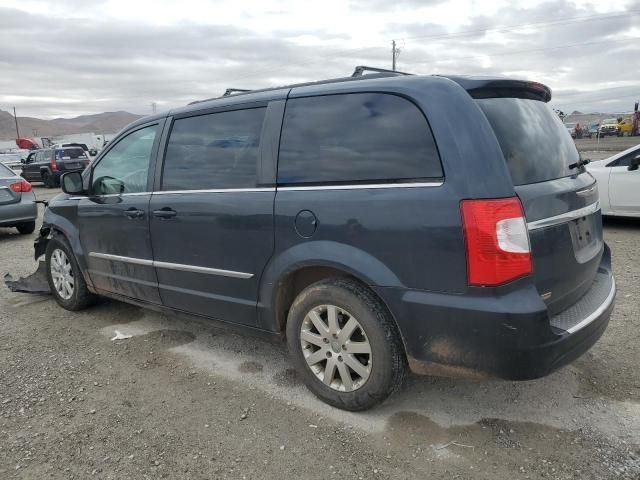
(579, 163)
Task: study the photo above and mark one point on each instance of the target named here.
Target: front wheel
(345, 345)
(65, 278)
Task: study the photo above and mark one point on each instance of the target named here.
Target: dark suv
(379, 222)
(48, 165)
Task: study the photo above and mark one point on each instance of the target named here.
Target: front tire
(26, 228)
(345, 345)
(65, 278)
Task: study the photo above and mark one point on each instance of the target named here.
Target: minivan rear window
(536, 145)
(355, 138)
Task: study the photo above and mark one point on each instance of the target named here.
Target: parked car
(625, 127)
(571, 128)
(17, 202)
(48, 165)
(609, 127)
(11, 160)
(352, 218)
(619, 183)
(592, 130)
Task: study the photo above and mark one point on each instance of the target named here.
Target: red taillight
(20, 187)
(497, 241)
(54, 165)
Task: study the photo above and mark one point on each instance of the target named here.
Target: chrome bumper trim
(564, 217)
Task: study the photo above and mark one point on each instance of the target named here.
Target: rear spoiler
(503, 88)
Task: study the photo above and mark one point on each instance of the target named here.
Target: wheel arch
(295, 269)
(60, 225)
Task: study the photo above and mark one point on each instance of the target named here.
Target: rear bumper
(23, 211)
(509, 336)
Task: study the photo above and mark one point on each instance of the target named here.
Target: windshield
(610, 120)
(536, 145)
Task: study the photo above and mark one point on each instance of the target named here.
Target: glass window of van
(214, 151)
(356, 138)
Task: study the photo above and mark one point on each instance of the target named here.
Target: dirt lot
(181, 399)
(607, 144)
(593, 149)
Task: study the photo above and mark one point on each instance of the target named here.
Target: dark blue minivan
(380, 223)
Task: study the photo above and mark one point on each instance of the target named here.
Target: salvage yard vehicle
(625, 127)
(359, 218)
(11, 160)
(48, 165)
(17, 202)
(619, 183)
(609, 127)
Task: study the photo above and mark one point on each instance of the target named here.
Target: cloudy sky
(62, 58)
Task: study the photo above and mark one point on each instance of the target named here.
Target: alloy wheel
(336, 348)
(62, 274)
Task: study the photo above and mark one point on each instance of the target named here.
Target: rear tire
(366, 366)
(64, 276)
(26, 228)
(47, 180)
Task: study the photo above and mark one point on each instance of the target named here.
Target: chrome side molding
(358, 186)
(171, 266)
(564, 217)
(119, 258)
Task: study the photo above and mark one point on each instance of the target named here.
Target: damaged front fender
(40, 245)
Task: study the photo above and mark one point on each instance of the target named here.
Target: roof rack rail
(230, 91)
(360, 69)
(358, 74)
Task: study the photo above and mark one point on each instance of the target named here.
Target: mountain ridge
(104, 122)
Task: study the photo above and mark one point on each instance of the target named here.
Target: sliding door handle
(165, 212)
(134, 213)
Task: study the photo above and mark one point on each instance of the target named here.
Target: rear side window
(535, 143)
(215, 151)
(356, 138)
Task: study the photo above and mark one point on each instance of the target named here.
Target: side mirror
(72, 183)
(23, 161)
(635, 163)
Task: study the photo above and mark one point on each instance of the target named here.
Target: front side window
(359, 137)
(125, 168)
(214, 151)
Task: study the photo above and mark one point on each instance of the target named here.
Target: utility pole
(153, 107)
(393, 55)
(15, 117)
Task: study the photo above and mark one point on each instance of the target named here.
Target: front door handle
(166, 212)
(134, 213)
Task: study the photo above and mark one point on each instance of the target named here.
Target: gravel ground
(182, 399)
(607, 144)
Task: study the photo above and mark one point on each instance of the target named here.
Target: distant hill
(588, 118)
(107, 122)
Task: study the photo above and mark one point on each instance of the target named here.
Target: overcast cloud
(61, 58)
